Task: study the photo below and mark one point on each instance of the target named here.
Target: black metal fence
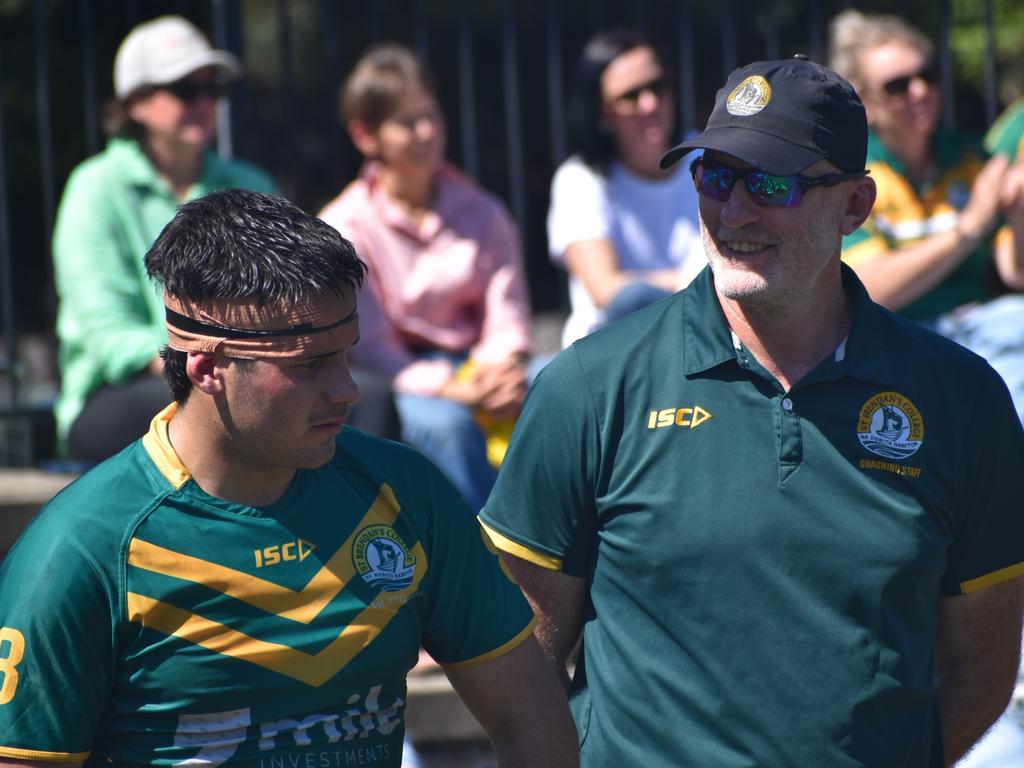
(501, 67)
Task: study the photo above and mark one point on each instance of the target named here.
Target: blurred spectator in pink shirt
(444, 312)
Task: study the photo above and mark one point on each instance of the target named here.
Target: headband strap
(247, 329)
(190, 324)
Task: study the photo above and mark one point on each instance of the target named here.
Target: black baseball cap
(782, 116)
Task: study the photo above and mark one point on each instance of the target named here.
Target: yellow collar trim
(157, 443)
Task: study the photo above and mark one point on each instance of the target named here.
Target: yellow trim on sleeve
(991, 579)
(506, 544)
(44, 757)
(501, 650)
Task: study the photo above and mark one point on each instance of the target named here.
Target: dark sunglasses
(717, 181)
(898, 86)
(190, 90)
(658, 86)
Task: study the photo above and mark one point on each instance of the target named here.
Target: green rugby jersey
(904, 214)
(764, 568)
(144, 622)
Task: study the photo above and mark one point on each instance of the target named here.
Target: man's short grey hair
(852, 33)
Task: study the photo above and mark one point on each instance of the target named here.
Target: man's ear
(204, 373)
(858, 205)
(364, 137)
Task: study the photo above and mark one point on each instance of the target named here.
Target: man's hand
(979, 215)
(496, 389)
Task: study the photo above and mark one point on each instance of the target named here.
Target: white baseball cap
(164, 50)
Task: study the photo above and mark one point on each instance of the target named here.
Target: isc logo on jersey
(279, 553)
(382, 558)
(677, 417)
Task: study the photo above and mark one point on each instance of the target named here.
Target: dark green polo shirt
(764, 567)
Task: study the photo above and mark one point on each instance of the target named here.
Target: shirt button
(787, 405)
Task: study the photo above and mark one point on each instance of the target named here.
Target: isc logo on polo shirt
(679, 417)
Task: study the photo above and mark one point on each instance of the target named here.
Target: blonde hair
(379, 82)
(851, 33)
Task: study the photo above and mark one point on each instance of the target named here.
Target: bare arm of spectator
(1010, 241)
(595, 263)
(977, 651)
(899, 277)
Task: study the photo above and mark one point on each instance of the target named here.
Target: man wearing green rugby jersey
(249, 583)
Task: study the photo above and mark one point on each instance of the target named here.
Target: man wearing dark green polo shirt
(785, 521)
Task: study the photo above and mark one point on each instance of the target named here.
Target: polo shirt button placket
(791, 440)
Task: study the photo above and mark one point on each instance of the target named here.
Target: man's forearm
(540, 753)
(967, 707)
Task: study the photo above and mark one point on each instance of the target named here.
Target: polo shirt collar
(451, 196)
(708, 340)
(138, 171)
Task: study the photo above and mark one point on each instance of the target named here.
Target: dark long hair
(586, 137)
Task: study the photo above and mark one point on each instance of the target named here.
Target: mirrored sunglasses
(190, 90)
(766, 189)
(898, 86)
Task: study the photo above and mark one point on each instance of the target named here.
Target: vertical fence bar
(333, 79)
(45, 145)
(374, 8)
(421, 30)
(556, 103)
(513, 133)
(467, 114)
(7, 272)
(89, 94)
(284, 31)
(641, 17)
(946, 66)
(772, 46)
(991, 74)
(132, 13)
(687, 81)
(728, 37)
(596, 15)
(816, 31)
(225, 146)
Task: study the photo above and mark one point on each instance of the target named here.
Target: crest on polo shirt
(382, 558)
(749, 97)
(890, 425)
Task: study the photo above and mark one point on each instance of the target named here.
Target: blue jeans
(631, 297)
(447, 434)
(994, 330)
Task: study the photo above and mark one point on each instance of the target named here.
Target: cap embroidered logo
(749, 97)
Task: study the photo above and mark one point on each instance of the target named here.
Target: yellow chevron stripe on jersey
(303, 605)
(312, 669)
